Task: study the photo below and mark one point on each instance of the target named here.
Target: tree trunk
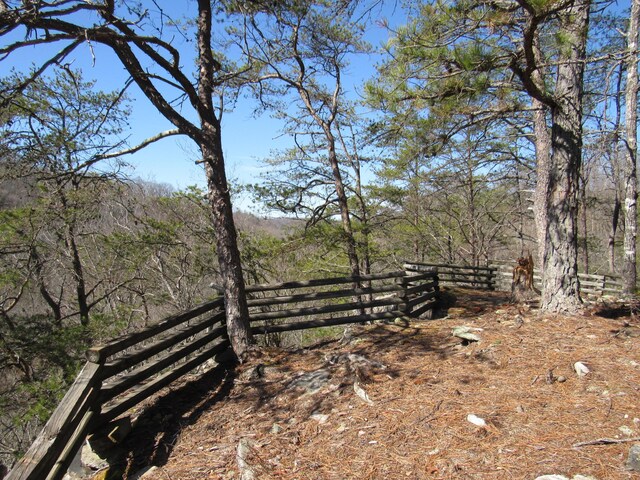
(236, 308)
(542, 143)
(584, 247)
(561, 288)
(615, 217)
(543, 161)
(343, 204)
(78, 274)
(629, 271)
(74, 254)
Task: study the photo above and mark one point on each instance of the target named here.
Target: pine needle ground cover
(410, 400)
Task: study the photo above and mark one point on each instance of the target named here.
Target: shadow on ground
(269, 382)
(156, 429)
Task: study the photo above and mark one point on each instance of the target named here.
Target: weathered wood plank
(463, 279)
(145, 390)
(421, 288)
(100, 353)
(322, 282)
(421, 299)
(418, 265)
(115, 386)
(420, 310)
(182, 333)
(470, 277)
(305, 297)
(341, 307)
(71, 449)
(49, 444)
(323, 322)
(416, 277)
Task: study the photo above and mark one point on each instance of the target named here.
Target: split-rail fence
(498, 276)
(121, 374)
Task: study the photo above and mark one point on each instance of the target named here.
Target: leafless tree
(139, 38)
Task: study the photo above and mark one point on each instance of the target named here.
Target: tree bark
(74, 254)
(629, 268)
(584, 247)
(561, 288)
(236, 308)
(542, 143)
(543, 161)
(615, 217)
(343, 203)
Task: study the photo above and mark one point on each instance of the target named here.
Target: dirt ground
(297, 414)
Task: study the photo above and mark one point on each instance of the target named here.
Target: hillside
(296, 414)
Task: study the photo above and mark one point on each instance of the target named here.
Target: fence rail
(475, 277)
(499, 277)
(122, 373)
(125, 371)
(118, 376)
(590, 284)
(284, 307)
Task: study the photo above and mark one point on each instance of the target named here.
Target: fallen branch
(606, 441)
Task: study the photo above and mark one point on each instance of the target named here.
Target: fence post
(404, 296)
(493, 278)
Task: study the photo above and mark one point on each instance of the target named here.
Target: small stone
(633, 461)
(401, 322)
(311, 381)
(479, 422)
(626, 431)
(360, 392)
(275, 429)
(552, 477)
(91, 459)
(581, 369)
(465, 333)
(561, 379)
(320, 417)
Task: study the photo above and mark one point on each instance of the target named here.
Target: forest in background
(445, 167)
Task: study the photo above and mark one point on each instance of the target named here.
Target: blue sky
(246, 140)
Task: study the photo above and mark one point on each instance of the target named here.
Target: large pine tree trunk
(543, 161)
(629, 270)
(236, 308)
(542, 142)
(561, 289)
(611, 246)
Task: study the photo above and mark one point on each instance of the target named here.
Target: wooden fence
(124, 372)
(337, 301)
(118, 376)
(499, 276)
(590, 284)
(464, 275)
